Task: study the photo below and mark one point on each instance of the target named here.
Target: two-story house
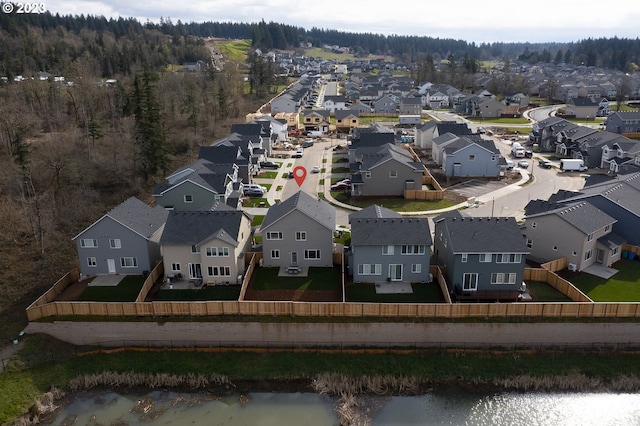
(410, 106)
(298, 232)
(317, 120)
(123, 241)
(386, 247)
(346, 120)
(623, 122)
(206, 245)
(483, 257)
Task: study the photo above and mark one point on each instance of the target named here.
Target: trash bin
(625, 254)
(632, 255)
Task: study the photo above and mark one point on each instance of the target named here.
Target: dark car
(269, 165)
(290, 175)
(340, 186)
(545, 164)
(253, 193)
(307, 144)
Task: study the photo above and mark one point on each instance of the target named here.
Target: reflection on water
(308, 409)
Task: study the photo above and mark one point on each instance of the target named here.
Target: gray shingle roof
(196, 227)
(374, 211)
(482, 234)
(318, 210)
(585, 216)
(390, 231)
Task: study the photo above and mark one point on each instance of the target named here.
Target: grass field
(126, 291)
(622, 287)
(543, 292)
(317, 279)
(397, 204)
(235, 50)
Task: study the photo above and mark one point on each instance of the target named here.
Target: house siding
(174, 197)
(484, 163)
(381, 184)
(373, 255)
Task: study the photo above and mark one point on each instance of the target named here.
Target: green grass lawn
(267, 175)
(397, 204)
(339, 170)
(622, 287)
(257, 220)
(499, 120)
(318, 279)
(219, 292)
(422, 293)
(543, 292)
(126, 291)
(255, 202)
(341, 160)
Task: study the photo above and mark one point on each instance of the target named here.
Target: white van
(253, 187)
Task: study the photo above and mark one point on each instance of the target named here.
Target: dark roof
(481, 234)
(316, 209)
(344, 113)
(247, 129)
(197, 227)
(374, 211)
(584, 102)
(222, 154)
(582, 215)
(390, 231)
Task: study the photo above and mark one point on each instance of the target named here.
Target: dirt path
(8, 351)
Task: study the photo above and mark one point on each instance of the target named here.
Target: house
(490, 108)
(586, 236)
(483, 257)
(387, 104)
(619, 153)
(206, 245)
(346, 120)
(334, 103)
(427, 132)
(437, 100)
(410, 106)
(317, 120)
(384, 170)
(360, 107)
(386, 246)
(589, 148)
(198, 184)
(566, 139)
(233, 150)
(298, 232)
(544, 132)
(466, 156)
(623, 122)
(123, 241)
(284, 103)
(583, 108)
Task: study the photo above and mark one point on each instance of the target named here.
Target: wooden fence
(435, 194)
(557, 282)
(152, 278)
(254, 259)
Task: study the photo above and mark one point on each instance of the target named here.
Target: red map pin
(299, 174)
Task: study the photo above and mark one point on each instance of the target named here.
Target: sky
(471, 20)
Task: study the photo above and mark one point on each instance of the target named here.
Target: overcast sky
(471, 20)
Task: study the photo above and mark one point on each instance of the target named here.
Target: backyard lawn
(324, 279)
(219, 292)
(622, 287)
(126, 291)
(543, 292)
(422, 293)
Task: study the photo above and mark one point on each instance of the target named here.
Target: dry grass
(151, 381)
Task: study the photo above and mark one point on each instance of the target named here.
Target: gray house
(123, 241)
(298, 232)
(468, 156)
(484, 257)
(427, 132)
(206, 245)
(623, 122)
(387, 104)
(586, 236)
(410, 106)
(387, 247)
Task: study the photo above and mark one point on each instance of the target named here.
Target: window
(301, 236)
(312, 254)
(393, 173)
(366, 174)
(508, 258)
(534, 225)
(89, 243)
(275, 254)
(218, 251)
(416, 268)
(502, 278)
(472, 157)
(588, 255)
(615, 251)
(115, 243)
(485, 257)
(195, 249)
(589, 237)
(219, 271)
(415, 249)
(470, 282)
(175, 267)
(274, 235)
(465, 257)
(370, 269)
(92, 262)
(129, 262)
(188, 198)
(529, 243)
(387, 250)
(606, 228)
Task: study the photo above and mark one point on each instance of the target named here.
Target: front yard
(622, 287)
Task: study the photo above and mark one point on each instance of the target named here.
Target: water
(308, 409)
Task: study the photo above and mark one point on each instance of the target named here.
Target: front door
(294, 258)
(195, 271)
(111, 265)
(599, 256)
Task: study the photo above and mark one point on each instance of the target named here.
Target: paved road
(373, 334)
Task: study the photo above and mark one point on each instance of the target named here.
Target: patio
(600, 270)
(394, 288)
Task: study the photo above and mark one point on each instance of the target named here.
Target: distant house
(346, 120)
(384, 170)
(619, 153)
(586, 236)
(298, 232)
(466, 156)
(123, 241)
(583, 108)
(387, 247)
(206, 245)
(334, 103)
(484, 257)
(427, 132)
(387, 104)
(410, 106)
(317, 120)
(623, 122)
(284, 103)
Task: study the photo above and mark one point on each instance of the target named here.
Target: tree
(149, 133)
(623, 91)
(94, 131)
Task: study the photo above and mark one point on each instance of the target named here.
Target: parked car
(290, 175)
(254, 188)
(316, 169)
(253, 193)
(269, 165)
(345, 180)
(298, 153)
(510, 165)
(528, 153)
(307, 143)
(524, 164)
(340, 186)
(545, 164)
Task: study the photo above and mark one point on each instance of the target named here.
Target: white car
(524, 164)
(316, 169)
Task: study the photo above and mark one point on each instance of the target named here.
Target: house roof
(137, 216)
(344, 113)
(372, 157)
(197, 227)
(390, 231)
(316, 209)
(582, 215)
(481, 234)
(374, 211)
